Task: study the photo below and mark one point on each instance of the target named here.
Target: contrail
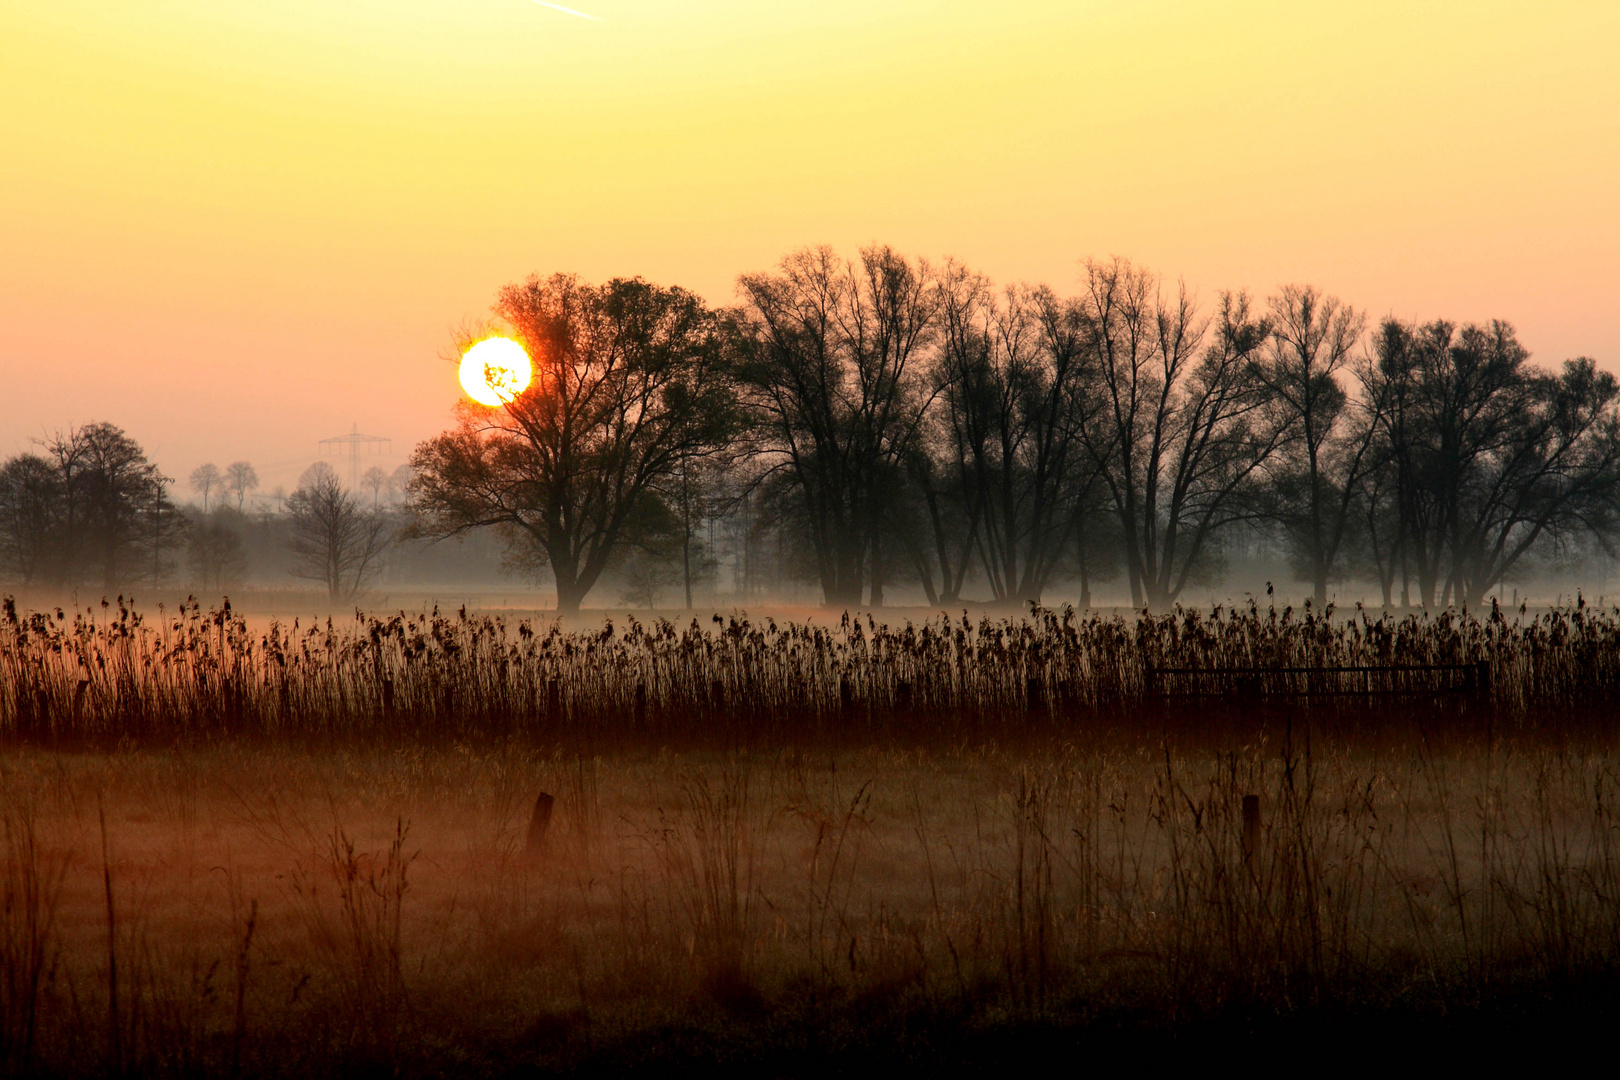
(567, 11)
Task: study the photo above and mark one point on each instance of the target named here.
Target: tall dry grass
(304, 850)
(283, 911)
(112, 674)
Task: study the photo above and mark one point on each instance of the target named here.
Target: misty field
(784, 849)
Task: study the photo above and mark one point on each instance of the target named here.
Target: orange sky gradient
(236, 228)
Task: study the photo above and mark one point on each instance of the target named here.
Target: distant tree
(399, 483)
(375, 481)
(166, 528)
(214, 555)
(627, 387)
(687, 492)
(331, 538)
(204, 479)
(111, 495)
(645, 579)
(31, 502)
(241, 479)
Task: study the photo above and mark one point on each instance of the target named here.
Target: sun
(495, 371)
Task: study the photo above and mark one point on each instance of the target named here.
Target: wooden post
(1251, 827)
(554, 700)
(846, 696)
(538, 824)
(641, 704)
(902, 695)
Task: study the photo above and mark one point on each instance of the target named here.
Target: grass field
(802, 870)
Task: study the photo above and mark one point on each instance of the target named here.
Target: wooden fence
(1346, 684)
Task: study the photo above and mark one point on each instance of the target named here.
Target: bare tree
(1487, 455)
(241, 479)
(1328, 451)
(204, 479)
(627, 387)
(375, 481)
(399, 484)
(332, 539)
(834, 359)
(1019, 403)
(1179, 431)
(689, 492)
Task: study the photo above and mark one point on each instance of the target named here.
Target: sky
(237, 228)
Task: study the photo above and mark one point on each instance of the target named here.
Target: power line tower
(354, 445)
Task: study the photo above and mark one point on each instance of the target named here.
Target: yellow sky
(237, 228)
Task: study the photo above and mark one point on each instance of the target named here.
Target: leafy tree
(110, 502)
(628, 387)
(31, 500)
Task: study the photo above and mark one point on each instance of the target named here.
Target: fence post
(537, 825)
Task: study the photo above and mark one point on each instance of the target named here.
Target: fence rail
(1365, 682)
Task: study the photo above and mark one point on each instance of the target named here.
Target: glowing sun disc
(495, 371)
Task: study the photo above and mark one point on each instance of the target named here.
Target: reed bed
(113, 673)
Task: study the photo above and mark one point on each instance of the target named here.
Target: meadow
(788, 848)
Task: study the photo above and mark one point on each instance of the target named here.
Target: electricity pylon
(355, 444)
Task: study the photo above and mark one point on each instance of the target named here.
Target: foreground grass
(258, 909)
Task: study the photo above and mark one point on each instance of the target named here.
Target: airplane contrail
(567, 11)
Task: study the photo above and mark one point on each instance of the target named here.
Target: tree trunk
(877, 573)
(686, 564)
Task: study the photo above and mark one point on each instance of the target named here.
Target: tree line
(90, 510)
(886, 423)
(896, 422)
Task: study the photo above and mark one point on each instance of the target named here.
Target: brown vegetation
(781, 848)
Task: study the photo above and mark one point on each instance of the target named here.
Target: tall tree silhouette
(627, 387)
